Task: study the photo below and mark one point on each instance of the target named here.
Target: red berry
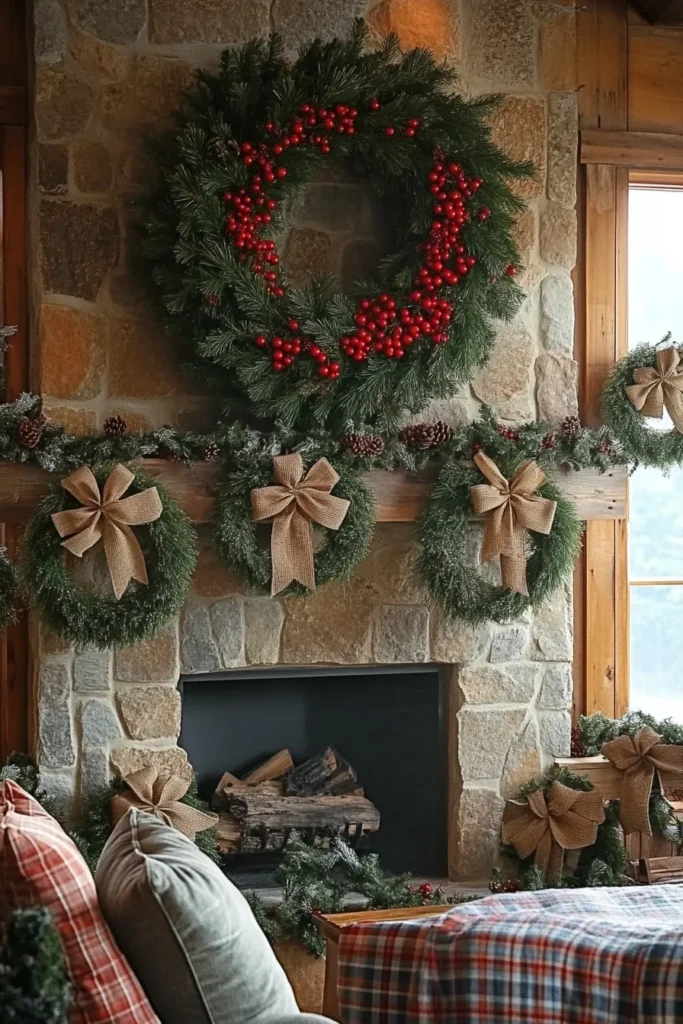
(375, 104)
(389, 130)
(511, 270)
(261, 340)
(484, 213)
(293, 325)
(281, 172)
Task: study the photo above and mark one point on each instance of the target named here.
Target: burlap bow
(160, 795)
(660, 387)
(109, 516)
(568, 820)
(639, 758)
(511, 508)
(293, 503)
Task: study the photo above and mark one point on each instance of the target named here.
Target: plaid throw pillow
(39, 864)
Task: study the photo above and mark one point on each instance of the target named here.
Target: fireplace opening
(388, 723)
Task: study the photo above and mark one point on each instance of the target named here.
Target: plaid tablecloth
(583, 956)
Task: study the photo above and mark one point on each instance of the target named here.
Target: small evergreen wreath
(244, 545)
(461, 589)
(8, 589)
(169, 547)
(640, 442)
(250, 138)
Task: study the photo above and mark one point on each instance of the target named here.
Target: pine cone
(31, 430)
(604, 448)
(212, 452)
(578, 747)
(169, 454)
(115, 426)
(571, 428)
(509, 433)
(422, 436)
(363, 444)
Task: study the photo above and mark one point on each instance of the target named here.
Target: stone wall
(107, 73)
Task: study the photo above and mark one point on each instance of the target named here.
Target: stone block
(60, 792)
(523, 762)
(506, 382)
(454, 641)
(555, 731)
(477, 825)
(524, 233)
(99, 724)
(308, 253)
(144, 361)
(54, 680)
(557, 381)
(83, 335)
(92, 166)
(562, 142)
(518, 127)
(170, 761)
(212, 578)
(53, 168)
(551, 628)
(151, 661)
(334, 625)
(50, 643)
(556, 690)
(198, 649)
(509, 643)
(263, 621)
(74, 421)
(150, 712)
(63, 103)
(299, 21)
(212, 21)
(558, 49)
(557, 313)
(106, 62)
(114, 21)
(55, 740)
(227, 621)
(484, 739)
(488, 684)
(159, 83)
(329, 207)
(79, 244)
(557, 236)
(500, 45)
(94, 766)
(401, 634)
(92, 670)
(432, 24)
(49, 41)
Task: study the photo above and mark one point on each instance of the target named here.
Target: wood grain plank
(648, 151)
(400, 496)
(655, 72)
(602, 43)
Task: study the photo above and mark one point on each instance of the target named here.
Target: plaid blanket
(582, 956)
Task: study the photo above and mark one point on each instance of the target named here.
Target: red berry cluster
(382, 326)
(508, 433)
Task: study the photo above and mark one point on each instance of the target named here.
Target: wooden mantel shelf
(399, 496)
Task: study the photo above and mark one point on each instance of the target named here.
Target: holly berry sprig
(384, 325)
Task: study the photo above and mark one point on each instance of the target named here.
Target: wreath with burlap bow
(642, 387)
(150, 549)
(531, 537)
(286, 526)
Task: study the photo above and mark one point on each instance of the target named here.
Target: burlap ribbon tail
(293, 503)
(109, 516)
(160, 795)
(510, 509)
(567, 820)
(659, 387)
(639, 757)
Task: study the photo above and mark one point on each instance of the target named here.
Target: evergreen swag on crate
(249, 139)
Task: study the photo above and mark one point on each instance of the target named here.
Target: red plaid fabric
(581, 956)
(39, 864)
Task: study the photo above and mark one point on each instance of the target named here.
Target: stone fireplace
(108, 74)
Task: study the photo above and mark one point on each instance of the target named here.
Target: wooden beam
(655, 11)
(647, 151)
(400, 496)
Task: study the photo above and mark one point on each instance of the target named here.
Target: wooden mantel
(399, 496)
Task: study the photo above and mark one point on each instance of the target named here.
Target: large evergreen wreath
(82, 617)
(249, 139)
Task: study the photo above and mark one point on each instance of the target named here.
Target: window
(655, 531)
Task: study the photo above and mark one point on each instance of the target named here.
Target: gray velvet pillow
(188, 933)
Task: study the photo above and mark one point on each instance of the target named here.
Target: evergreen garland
(8, 589)
(461, 588)
(641, 443)
(34, 984)
(169, 547)
(248, 140)
(244, 545)
(316, 880)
